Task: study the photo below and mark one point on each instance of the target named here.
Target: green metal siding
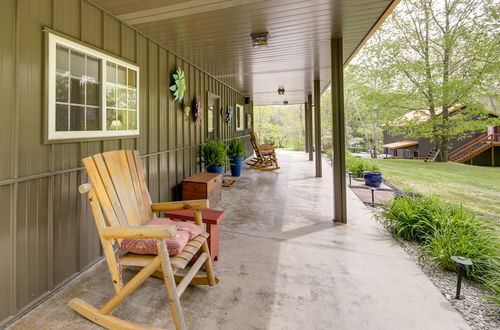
(46, 227)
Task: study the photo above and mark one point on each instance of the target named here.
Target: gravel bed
(472, 307)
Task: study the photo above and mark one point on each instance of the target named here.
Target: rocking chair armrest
(198, 204)
(122, 232)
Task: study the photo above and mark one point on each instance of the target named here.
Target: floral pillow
(186, 231)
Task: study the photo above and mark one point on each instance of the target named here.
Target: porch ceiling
(215, 35)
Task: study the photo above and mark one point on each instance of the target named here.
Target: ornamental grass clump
(445, 230)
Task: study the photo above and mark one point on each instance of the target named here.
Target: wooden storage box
(203, 186)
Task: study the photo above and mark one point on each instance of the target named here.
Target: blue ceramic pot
(216, 169)
(373, 179)
(236, 164)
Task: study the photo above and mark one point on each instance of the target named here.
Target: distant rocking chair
(265, 155)
(121, 205)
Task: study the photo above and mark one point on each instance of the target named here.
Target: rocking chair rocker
(121, 206)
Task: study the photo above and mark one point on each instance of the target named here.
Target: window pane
(77, 119)
(132, 78)
(93, 94)
(61, 117)
(121, 98)
(132, 99)
(110, 72)
(77, 91)
(111, 122)
(110, 96)
(122, 118)
(77, 64)
(93, 119)
(62, 59)
(122, 75)
(210, 118)
(93, 68)
(132, 120)
(62, 83)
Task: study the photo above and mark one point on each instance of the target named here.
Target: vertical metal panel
(142, 61)
(6, 251)
(153, 120)
(7, 76)
(172, 122)
(66, 16)
(33, 155)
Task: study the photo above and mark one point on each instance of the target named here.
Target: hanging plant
(197, 110)
(179, 86)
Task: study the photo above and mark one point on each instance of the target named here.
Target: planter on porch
(373, 179)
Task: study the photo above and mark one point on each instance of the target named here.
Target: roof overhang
(215, 36)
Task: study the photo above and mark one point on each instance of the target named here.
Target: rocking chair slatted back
(118, 180)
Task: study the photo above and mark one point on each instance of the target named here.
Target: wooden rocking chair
(265, 155)
(121, 205)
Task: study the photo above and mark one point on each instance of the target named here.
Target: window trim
(54, 136)
(241, 117)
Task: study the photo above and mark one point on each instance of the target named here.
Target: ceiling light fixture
(260, 39)
(281, 90)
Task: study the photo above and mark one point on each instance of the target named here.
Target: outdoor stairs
(432, 155)
(474, 148)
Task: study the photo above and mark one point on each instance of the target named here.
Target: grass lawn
(476, 187)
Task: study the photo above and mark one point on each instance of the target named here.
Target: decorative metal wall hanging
(228, 114)
(187, 110)
(179, 86)
(197, 110)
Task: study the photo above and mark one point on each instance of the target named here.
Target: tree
(445, 51)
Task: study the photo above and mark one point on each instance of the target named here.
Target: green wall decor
(179, 86)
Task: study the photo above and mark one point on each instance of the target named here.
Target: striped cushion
(186, 231)
(268, 152)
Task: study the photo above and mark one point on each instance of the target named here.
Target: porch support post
(317, 127)
(338, 134)
(306, 127)
(310, 129)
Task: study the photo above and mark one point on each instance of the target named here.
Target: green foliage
(412, 218)
(236, 148)
(179, 87)
(446, 230)
(358, 165)
(329, 153)
(213, 153)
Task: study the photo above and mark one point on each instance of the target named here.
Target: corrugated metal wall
(46, 230)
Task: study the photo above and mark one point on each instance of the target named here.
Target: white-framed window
(408, 153)
(240, 117)
(90, 93)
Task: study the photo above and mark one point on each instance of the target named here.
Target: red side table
(211, 219)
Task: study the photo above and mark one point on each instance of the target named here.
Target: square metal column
(317, 128)
(310, 125)
(338, 133)
(306, 128)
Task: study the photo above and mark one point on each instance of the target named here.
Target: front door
(212, 116)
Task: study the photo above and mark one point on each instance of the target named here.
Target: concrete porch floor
(283, 265)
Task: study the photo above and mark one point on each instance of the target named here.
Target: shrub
(411, 218)
(329, 153)
(236, 148)
(447, 230)
(214, 153)
(358, 165)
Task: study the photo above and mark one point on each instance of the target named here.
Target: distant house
(461, 150)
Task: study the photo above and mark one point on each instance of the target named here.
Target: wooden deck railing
(469, 150)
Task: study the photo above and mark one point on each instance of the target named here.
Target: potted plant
(235, 151)
(372, 178)
(213, 154)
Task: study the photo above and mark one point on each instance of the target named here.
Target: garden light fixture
(461, 262)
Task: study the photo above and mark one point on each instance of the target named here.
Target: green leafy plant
(236, 148)
(446, 230)
(359, 165)
(213, 153)
(179, 86)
